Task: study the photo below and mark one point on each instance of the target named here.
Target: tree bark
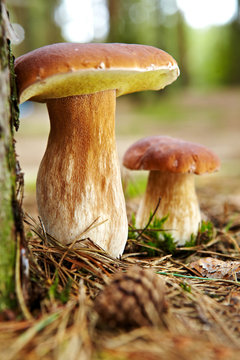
(10, 217)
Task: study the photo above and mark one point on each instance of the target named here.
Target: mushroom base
(178, 201)
(79, 182)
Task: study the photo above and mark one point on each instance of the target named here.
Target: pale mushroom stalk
(79, 177)
(178, 200)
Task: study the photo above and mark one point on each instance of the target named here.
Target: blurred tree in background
(37, 19)
(153, 22)
(206, 57)
(233, 51)
(214, 54)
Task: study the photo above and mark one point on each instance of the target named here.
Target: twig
(218, 254)
(91, 226)
(184, 266)
(150, 220)
(199, 278)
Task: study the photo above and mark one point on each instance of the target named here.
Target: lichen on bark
(9, 210)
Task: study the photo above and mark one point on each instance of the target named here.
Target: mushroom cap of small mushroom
(167, 154)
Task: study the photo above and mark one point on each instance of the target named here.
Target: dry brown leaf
(216, 269)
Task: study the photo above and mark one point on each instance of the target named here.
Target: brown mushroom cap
(167, 154)
(67, 69)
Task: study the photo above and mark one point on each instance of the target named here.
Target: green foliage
(206, 229)
(230, 222)
(205, 234)
(153, 236)
(191, 242)
(157, 223)
(55, 294)
(29, 235)
(218, 63)
(185, 287)
(135, 188)
(163, 241)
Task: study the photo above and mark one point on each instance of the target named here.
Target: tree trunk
(114, 8)
(182, 51)
(9, 209)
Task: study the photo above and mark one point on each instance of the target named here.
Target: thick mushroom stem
(178, 201)
(79, 177)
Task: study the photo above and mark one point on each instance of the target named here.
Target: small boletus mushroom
(172, 164)
(79, 176)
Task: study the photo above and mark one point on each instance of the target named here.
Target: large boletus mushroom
(172, 164)
(79, 176)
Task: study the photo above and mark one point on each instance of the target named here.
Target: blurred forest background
(203, 105)
(207, 57)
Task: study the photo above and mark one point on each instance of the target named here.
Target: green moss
(13, 94)
(3, 52)
(155, 236)
(186, 287)
(7, 248)
(9, 210)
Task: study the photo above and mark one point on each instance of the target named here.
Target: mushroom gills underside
(93, 80)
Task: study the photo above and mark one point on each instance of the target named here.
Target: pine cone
(133, 298)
